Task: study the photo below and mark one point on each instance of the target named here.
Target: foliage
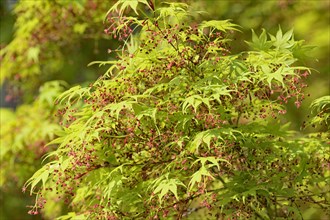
(51, 41)
(321, 109)
(28, 140)
(46, 32)
(300, 15)
(178, 123)
(22, 146)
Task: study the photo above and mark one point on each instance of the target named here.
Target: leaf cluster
(178, 122)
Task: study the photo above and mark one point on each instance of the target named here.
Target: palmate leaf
(130, 3)
(283, 41)
(224, 25)
(116, 108)
(113, 186)
(133, 4)
(216, 91)
(278, 75)
(164, 185)
(183, 120)
(212, 160)
(178, 80)
(321, 109)
(261, 42)
(198, 140)
(321, 104)
(206, 137)
(195, 101)
(150, 112)
(41, 175)
(157, 88)
(142, 111)
(76, 92)
(177, 10)
(197, 177)
(206, 163)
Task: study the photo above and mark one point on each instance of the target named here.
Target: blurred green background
(69, 34)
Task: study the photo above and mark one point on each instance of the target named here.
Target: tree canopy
(181, 124)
